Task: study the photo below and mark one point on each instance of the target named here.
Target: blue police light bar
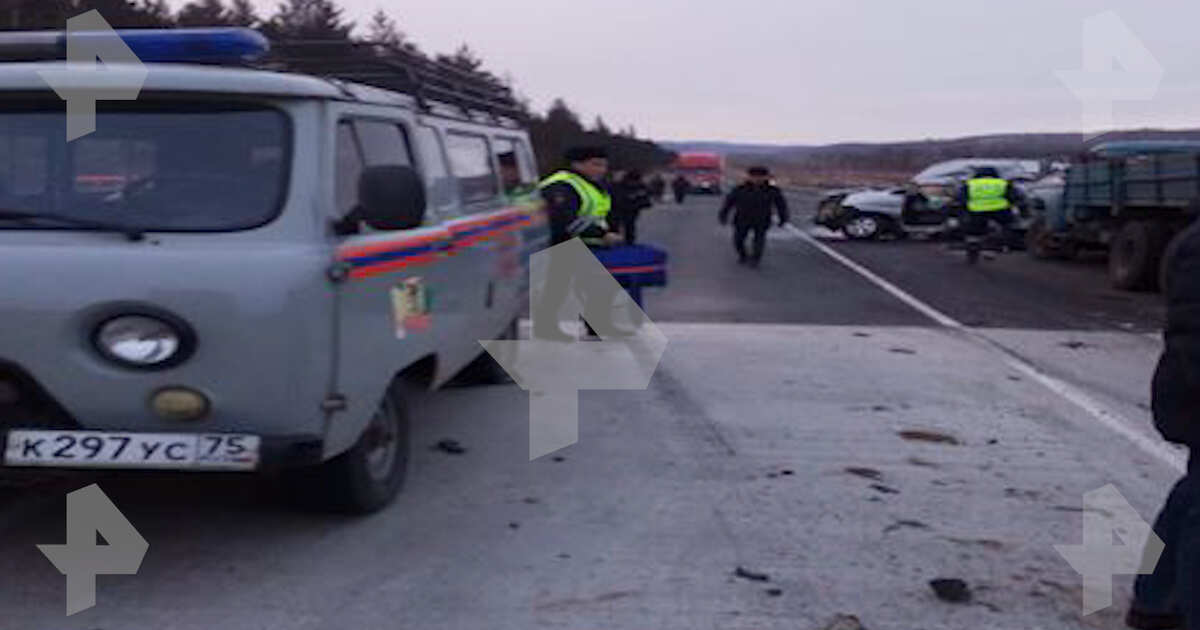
(185, 45)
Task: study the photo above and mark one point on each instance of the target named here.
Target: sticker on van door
(410, 307)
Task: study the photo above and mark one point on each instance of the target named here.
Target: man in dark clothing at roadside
(630, 197)
(681, 187)
(1170, 598)
(658, 187)
(753, 203)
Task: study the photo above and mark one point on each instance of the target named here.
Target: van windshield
(165, 167)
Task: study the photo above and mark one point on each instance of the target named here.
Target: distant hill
(726, 148)
(856, 163)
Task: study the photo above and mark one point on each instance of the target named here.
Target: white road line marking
(896, 292)
(1158, 449)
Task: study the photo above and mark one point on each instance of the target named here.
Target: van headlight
(143, 341)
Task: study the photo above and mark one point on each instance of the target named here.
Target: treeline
(552, 132)
(913, 156)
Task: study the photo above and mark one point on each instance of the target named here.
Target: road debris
(952, 590)
(987, 543)
(866, 473)
(1074, 345)
(878, 487)
(450, 447)
(898, 525)
(775, 592)
(923, 463)
(902, 351)
(844, 622)
(930, 436)
(753, 576)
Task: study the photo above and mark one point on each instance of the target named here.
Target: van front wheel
(367, 477)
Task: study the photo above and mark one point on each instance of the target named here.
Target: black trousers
(759, 244)
(977, 224)
(1172, 588)
(629, 227)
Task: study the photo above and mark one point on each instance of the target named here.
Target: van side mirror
(390, 198)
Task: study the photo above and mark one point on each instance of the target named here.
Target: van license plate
(172, 451)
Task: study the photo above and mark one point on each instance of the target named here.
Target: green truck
(1127, 198)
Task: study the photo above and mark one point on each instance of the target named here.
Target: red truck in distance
(703, 171)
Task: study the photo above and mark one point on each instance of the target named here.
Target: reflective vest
(594, 204)
(987, 194)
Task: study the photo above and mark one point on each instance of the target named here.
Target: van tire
(364, 479)
(1135, 253)
(485, 369)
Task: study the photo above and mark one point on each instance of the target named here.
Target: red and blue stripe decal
(397, 253)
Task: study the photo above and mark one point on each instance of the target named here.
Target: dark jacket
(753, 205)
(563, 203)
(1176, 391)
(630, 197)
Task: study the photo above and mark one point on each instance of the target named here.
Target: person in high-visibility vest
(989, 197)
(578, 201)
(579, 206)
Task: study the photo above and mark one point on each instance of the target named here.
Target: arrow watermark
(1107, 518)
(85, 81)
(1109, 43)
(553, 367)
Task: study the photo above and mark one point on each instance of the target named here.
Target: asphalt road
(849, 437)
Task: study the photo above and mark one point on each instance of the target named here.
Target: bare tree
(308, 19)
(203, 13)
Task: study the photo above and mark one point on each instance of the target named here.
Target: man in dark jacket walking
(753, 203)
(658, 187)
(630, 197)
(1170, 598)
(680, 186)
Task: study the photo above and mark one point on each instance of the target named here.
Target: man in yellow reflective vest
(579, 206)
(988, 197)
(578, 202)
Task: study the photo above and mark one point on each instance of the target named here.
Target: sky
(823, 71)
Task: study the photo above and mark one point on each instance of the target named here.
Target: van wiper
(132, 233)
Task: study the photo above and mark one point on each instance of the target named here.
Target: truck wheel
(1134, 255)
(1039, 242)
(367, 477)
(863, 227)
(1175, 243)
(486, 370)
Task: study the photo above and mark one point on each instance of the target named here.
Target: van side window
(443, 189)
(349, 169)
(515, 172)
(471, 163)
(383, 143)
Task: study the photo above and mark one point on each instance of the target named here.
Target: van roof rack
(391, 67)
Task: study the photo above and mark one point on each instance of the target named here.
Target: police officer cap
(759, 171)
(583, 154)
